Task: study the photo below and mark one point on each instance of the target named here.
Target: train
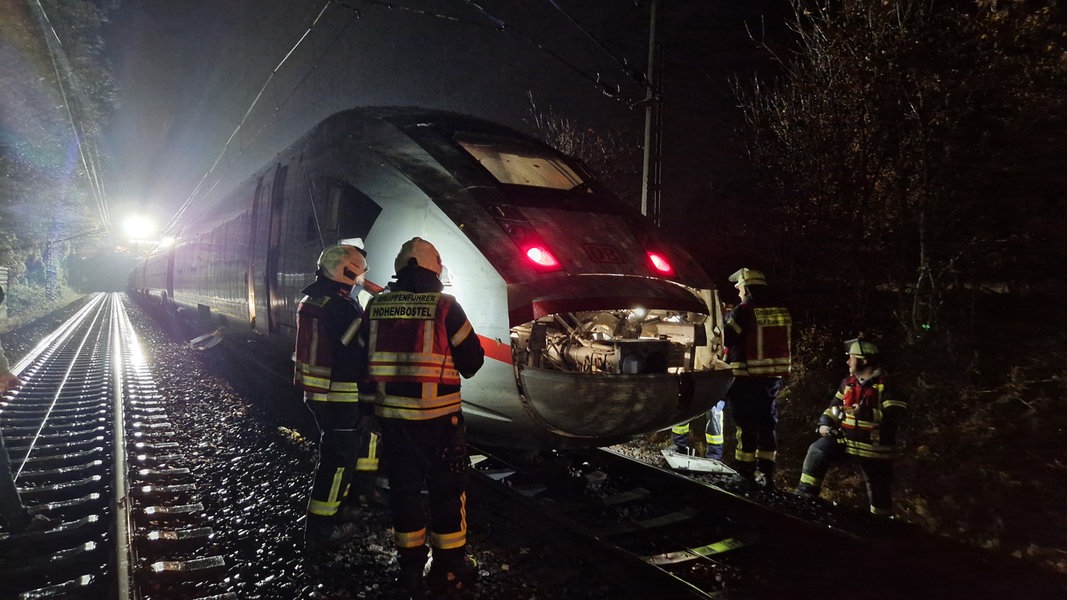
(597, 328)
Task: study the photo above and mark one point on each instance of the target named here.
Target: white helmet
(748, 277)
(860, 348)
(343, 263)
(422, 251)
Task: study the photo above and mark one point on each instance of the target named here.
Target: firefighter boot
(681, 442)
(452, 573)
(806, 490)
(412, 563)
(747, 472)
(324, 532)
(766, 467)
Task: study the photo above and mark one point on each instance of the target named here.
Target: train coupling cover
(688, 462)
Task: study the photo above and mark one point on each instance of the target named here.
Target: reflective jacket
(866, 415)
(327, 355)
(758, 340)
(419, 345)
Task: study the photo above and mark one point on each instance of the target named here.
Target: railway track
(669, 533)
(88, 438)
(675, 536)
(94, 443)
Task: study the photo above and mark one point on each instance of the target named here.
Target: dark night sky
(188, 72)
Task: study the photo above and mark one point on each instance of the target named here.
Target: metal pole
(650, 172)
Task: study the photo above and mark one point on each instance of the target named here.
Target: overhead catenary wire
(495, 23)
(80, 138)
(614, 92)
(196, 190)
(634, 73)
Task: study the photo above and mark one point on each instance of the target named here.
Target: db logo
(603, 254)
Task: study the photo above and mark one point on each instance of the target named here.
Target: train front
(613, 331)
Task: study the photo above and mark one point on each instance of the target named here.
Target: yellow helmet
(343, 263)
(860, 348)
(745, 276)
(422, 251)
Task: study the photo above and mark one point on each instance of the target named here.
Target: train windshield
(515, 163)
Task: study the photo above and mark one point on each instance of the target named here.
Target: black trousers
(430, 455)
(340, 443)
(755, 412)
(877, 472)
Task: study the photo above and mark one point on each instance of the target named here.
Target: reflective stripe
(767, 454)
(462, 334)
(345, 397)
(369, 462)
(410, 539)
(856, 448)
(456, 539)
(680, 429)
(313, 382)
(351, 332)
(417, 409)
(329, 506)
(811, 480)
(745, 457)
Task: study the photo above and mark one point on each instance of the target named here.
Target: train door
(266, 204)
(275, 297)
(171, 253)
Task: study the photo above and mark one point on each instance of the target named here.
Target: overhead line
(87, 164)
(188, 201)
(637, 75)
(612, 92)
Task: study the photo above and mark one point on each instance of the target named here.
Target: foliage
(920, 137)
(56, 92)
(605, 154)
(912, 153)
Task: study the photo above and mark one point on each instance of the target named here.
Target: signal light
(540, 256)
(660, 263)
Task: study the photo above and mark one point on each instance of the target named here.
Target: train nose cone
(620, 405)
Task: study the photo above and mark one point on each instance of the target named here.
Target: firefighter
(862, 422)
(713, 433)
(419, 345)
(757, 337)
(328, 360)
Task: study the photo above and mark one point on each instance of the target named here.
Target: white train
(596, 328)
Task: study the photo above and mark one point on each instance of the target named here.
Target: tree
(912, 153)
(919, 136)
(605, 153)
(56, 93)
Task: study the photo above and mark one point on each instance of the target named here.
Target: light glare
(139, 227)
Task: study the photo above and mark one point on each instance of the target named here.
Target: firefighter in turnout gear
(862, 422)
(713, 433)
(757, 336)
(328, 361)
(419, 345)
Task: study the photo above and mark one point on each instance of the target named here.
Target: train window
(516, 163)
(340, 211)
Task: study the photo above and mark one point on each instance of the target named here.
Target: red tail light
(540, 256)
(660, 263)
